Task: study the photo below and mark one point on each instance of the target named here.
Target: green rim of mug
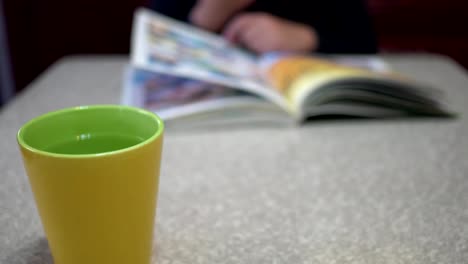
(157, 133)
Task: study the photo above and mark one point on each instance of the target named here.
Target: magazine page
(162, 44)
(174, 97)
(367, 62)
(310, 81)
(285, 72)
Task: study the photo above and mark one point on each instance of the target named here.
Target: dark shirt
(343, 26)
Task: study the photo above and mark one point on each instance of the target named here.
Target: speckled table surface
(328, 192)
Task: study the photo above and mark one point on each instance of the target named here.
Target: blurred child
(331, 26)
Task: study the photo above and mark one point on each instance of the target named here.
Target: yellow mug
(94, 172)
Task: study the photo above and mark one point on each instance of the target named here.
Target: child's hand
(262, 32)
(213, 14)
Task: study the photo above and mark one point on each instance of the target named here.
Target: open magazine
(186, 74)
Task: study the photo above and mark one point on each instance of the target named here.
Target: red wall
(423, 25)
(42, 31)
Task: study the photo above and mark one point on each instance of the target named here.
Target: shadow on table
(314, 121)
(409, 118)
(36, 252)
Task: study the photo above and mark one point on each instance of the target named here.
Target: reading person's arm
(262, 32)
(334, 26)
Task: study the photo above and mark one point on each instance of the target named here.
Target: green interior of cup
(90, 130)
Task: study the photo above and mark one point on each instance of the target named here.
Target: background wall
(6, 79)
(423, 26)
(42, 31)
